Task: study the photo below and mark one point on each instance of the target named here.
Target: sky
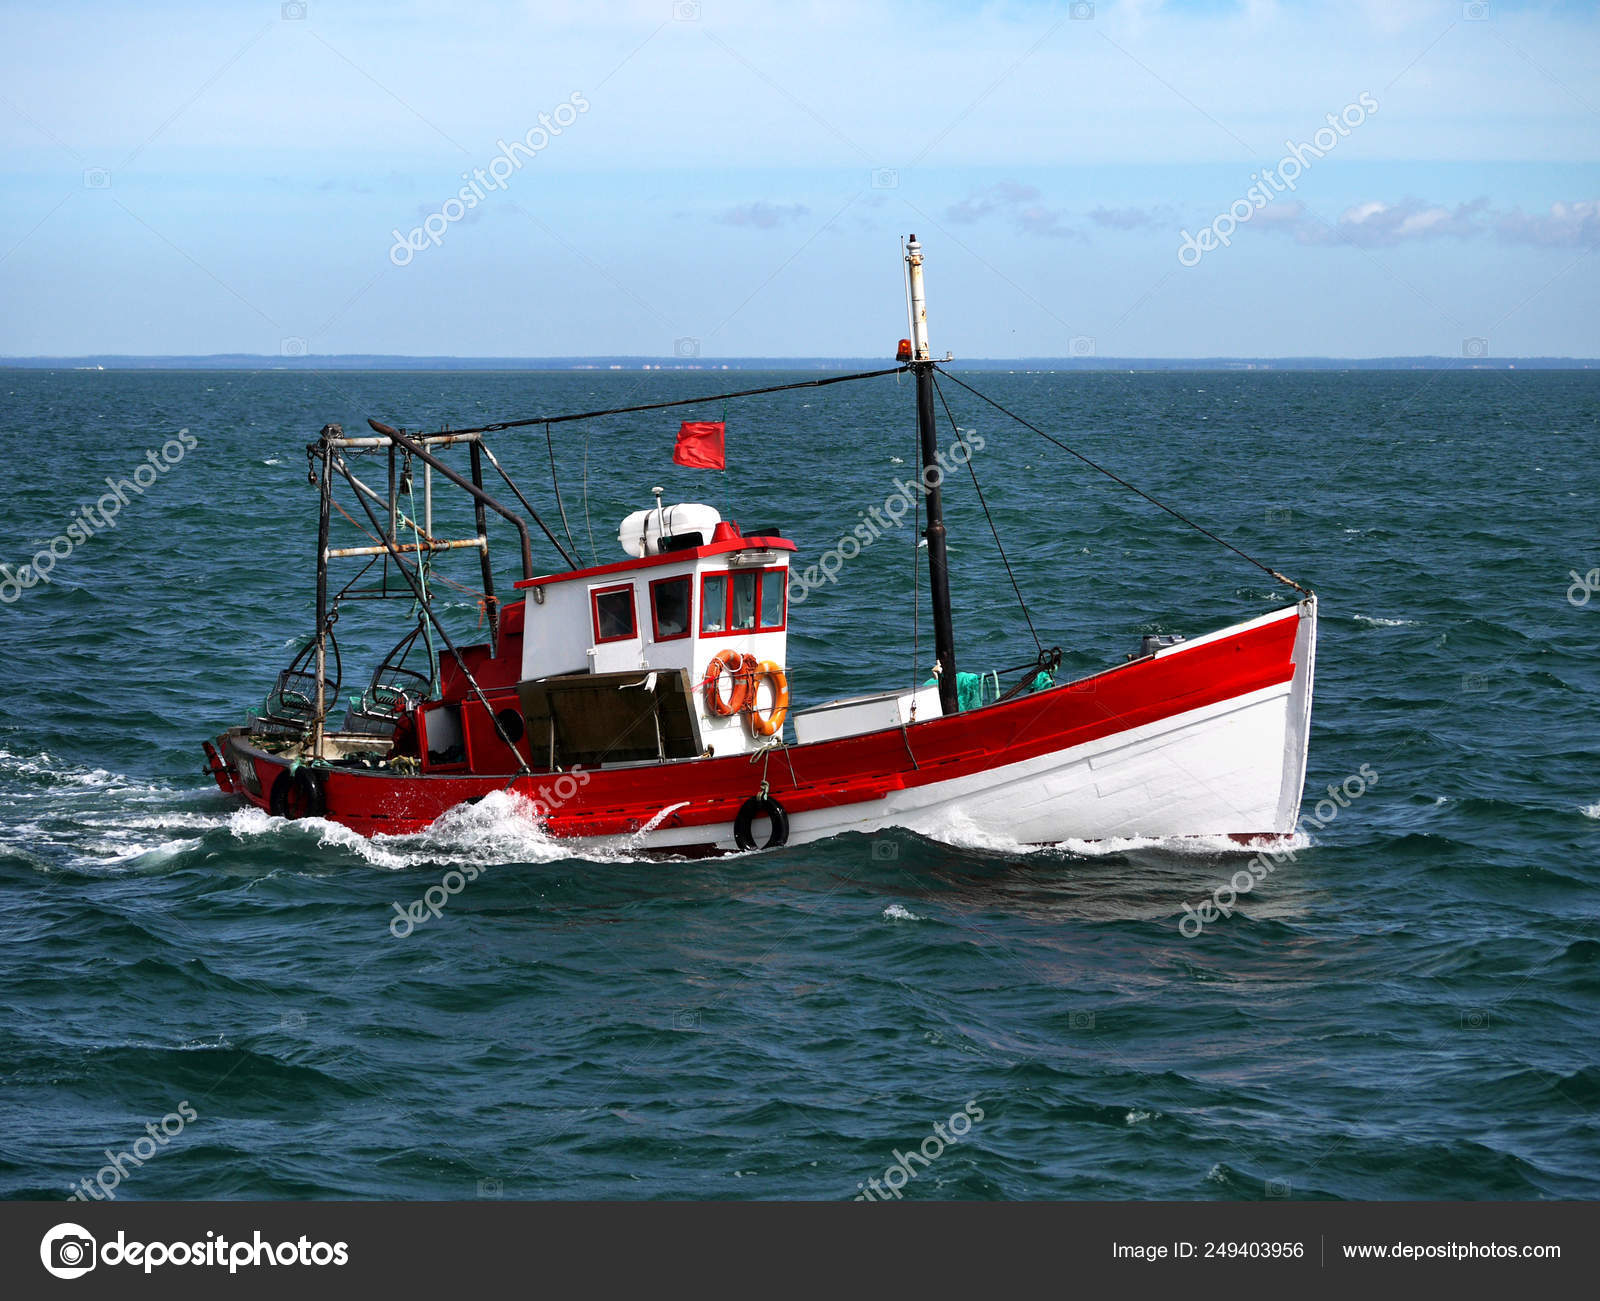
(703, 178)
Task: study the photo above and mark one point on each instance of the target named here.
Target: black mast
(944, 635)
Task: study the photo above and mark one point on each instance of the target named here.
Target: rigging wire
(428, 610)
(547, 421)
(594, 556)
(556, 485)
(676, 402)
(999, 546)
(1176, 514)
(348, 587)
(405, 520)
(424, 564)
(528, 506)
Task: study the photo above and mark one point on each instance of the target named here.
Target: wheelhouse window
(744, 601)
(749, 600)
(613, 614)
(714, 603)
(669, 608)
(442, 728)
(774, 596)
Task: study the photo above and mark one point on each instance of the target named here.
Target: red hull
(694, 793)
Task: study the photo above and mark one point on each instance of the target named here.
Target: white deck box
(858, 714)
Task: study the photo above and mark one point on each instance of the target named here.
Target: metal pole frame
(323, 521)
(427, 608)
(491, 604)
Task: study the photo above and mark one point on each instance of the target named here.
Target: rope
(676, 402)
(594, 556)
(438, 578)
(556, 485)
(1177, 515)
(356, 522)
(764, 753)
(998, 545)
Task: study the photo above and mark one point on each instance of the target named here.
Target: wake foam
(959, 831)
(499, 829)
(92, 819)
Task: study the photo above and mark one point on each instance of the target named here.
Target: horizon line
(623, 361)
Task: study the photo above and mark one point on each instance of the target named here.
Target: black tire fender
(749, 811)
(299, 793)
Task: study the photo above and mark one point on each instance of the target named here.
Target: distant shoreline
(248, 362)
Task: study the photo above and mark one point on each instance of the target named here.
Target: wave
(93, 820)
(1185, 846)
(502, 828)
(959, 831)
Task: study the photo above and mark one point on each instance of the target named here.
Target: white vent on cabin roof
(641, 533)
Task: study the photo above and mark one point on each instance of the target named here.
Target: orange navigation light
(903, 352)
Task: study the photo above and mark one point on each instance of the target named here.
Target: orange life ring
(770, 723)
(741, 668)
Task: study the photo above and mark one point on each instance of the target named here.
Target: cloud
(1018, 202)
(1130, 218)
(1567, 225)
(331, 185)
(999, 197)
(763, 216)
(1376, 224)
(1036, 220)
(1382, 225)
(1285, 217)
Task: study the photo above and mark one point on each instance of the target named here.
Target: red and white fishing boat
(646, 701)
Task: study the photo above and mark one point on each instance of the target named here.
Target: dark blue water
(1409, 1009)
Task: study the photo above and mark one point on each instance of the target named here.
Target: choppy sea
(1410, 1008)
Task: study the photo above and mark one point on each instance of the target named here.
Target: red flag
(700, 445)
